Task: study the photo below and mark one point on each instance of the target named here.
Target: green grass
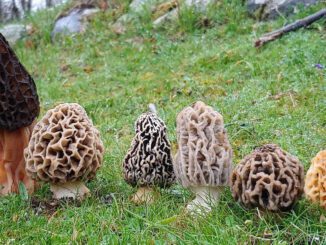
(116, 77)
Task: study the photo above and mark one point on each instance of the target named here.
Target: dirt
(49, 207)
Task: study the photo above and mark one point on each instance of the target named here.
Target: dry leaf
(248, 222)
(147, 76)
(279, 76)
(103, 4)
(88, 69)
(64, 67)
(268, 234)
(29, 44)
(15, 217)
(74, 234)
(282, 94)
(118, 28)
(30, 29)
(163, 8)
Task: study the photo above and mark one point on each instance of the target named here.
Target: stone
(73, 22)
(137, 6)
(169, 16)
(271, 9)
(199, 5)
(13, 32)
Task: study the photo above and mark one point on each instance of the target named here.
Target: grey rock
(73, 22)
(13, 32)
(199, 5)
(135, 8)
(138, 6)
(170, 16)
(271, 9)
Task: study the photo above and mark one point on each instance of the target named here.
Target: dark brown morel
(19, 103)
(268, 178)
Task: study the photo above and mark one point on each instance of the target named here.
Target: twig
(291, 27)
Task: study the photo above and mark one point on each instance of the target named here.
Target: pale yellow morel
(315, 184)
(269, 178)
(65, 150)
(203, 162)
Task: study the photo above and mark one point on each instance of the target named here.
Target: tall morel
(19, 107)
(268, 178)
(65, 150)
(203, 162)
(148, 162)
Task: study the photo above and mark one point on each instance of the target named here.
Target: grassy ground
(274, 94)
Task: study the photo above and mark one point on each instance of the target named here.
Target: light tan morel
(203, 162)
(65, 149)
(268, 178)
(315, 184)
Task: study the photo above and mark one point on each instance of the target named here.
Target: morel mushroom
(148, 162)
(268, 178)
(65, 150)
(315, 184)
(204, 157)
(19, 106)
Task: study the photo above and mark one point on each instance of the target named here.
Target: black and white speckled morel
(148, 162)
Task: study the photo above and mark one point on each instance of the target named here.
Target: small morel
(204, 159)
(315, 184)
(268, 178)
(19, 107)
(65, 150)
(148, 162)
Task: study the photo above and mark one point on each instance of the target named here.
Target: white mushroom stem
(152, 108)
(144, 195)
(75, 190)
(206, 197)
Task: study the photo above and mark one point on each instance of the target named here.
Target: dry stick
(291, 27)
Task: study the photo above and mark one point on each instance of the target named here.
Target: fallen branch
(291, 27)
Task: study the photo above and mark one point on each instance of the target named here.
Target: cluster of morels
(65, 149)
